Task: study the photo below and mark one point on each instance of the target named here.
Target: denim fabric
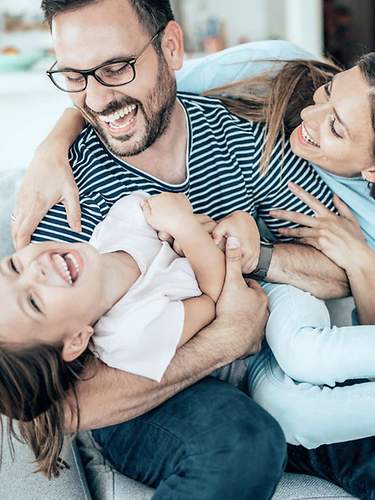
(210, 441)
(350, 465)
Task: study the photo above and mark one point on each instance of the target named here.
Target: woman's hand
(337, 236)
(241, 225)
(48, 180)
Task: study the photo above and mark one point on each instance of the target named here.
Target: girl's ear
(76, 344)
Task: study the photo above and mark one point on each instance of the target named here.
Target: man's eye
(34, 305)
(13, 266)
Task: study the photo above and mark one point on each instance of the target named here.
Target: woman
(336, 134)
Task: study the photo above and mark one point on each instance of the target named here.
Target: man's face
(128, 118)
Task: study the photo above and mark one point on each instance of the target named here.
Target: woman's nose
(314, 113)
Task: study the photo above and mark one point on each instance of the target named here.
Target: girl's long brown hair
(276, 98)
(35, 385)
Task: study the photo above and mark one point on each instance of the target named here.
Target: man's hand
(48, 180)
(241, 303)
(241, 225)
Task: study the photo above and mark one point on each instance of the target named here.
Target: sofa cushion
(9, 181)
(106, 483)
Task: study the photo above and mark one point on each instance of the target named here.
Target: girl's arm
(39, 190)
(172, 213)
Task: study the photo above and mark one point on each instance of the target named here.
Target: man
(117, 60)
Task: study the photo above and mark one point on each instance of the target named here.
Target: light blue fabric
(235, 63)
(296, 382)
(356, 194)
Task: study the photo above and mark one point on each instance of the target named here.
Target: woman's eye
(332, 127)
(34, 305)
(13, 266)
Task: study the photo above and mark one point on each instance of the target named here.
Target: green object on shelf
(18, 62)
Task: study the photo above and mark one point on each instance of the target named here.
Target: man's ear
(173, 45)
(75, 344)
(369, 174)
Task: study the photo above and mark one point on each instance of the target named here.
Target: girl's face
(50, 291)
(336, 132)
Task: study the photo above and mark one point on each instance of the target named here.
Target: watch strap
(264, 262)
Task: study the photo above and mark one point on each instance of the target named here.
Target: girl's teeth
(63, 267)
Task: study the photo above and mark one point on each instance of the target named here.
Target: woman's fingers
(299, 232)
(310, 200)
(343, 208)
(296, 217)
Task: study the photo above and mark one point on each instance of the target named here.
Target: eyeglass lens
(111, 74)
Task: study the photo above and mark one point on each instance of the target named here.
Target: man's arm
(307, 268)
(111, 396)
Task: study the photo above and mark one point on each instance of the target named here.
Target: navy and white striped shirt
(223, 174)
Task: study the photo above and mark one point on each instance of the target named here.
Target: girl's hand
(168, 212)
(241, 225)
(337, 236)
(204, 220)
(48, 180)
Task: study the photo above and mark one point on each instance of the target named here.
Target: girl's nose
(35, 273)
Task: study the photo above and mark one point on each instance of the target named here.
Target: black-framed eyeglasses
(113, 74)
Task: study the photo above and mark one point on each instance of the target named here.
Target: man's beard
(156, 108)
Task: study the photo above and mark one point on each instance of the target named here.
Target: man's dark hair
(152, 14)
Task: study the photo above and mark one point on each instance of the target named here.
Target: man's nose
(97, 96)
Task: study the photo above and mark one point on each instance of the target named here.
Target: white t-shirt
(141, 332)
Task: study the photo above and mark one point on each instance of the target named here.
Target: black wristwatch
(265, 257)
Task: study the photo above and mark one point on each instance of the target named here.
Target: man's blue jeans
(210, 441)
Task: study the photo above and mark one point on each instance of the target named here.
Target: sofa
(91, 476)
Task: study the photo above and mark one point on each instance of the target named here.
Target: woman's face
(336, 132)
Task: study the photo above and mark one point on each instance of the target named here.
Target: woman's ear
(172, 44)
(369, 174)
(75, 344)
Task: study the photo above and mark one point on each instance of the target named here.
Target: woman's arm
(39, 190)
(361, 274)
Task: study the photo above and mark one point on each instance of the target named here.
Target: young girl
(128, 292)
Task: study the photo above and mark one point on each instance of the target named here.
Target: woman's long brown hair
(276, 98)
(35, 385)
